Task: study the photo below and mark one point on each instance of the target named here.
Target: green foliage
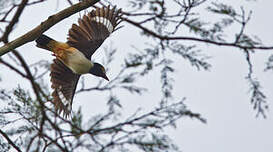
(258, 99)
(269, 64)
(153, 142)
(76, 122)
(222, 9)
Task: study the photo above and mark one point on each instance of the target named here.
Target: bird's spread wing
(93, 29)
(64, 83)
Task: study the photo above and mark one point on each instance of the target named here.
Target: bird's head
(98, 70)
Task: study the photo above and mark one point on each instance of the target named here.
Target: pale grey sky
(221, 95)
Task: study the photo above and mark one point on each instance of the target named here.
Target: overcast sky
(220, 95)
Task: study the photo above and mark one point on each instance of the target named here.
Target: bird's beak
(105, 77)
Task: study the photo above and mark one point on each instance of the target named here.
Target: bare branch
(10, 141)
(12, 68)
(7, 13)
(52, 20)
(14, 21)
(161, 37)
(69, 1)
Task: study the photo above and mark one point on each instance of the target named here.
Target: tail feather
(45, 42)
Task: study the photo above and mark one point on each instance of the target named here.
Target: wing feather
(87, 36)
(64, 83)
(93, 29)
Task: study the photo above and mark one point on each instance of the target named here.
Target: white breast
(78, 63)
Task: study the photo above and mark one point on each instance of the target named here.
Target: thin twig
(162, 37)
(10, 141)
(14, 20)
(12, 68)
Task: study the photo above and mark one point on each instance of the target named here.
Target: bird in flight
(73, 58)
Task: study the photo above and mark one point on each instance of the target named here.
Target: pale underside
(77, 62)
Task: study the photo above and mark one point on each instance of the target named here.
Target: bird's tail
(46, 42)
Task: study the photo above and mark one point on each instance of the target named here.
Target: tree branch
(13, 68)
(162, 37)
(14, 20)
(52, 20)
(10, 141)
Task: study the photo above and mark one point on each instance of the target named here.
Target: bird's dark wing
(64, 83)
(93, 29)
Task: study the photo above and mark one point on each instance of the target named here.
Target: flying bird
(73, 58)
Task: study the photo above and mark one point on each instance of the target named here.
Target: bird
(73, 58)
